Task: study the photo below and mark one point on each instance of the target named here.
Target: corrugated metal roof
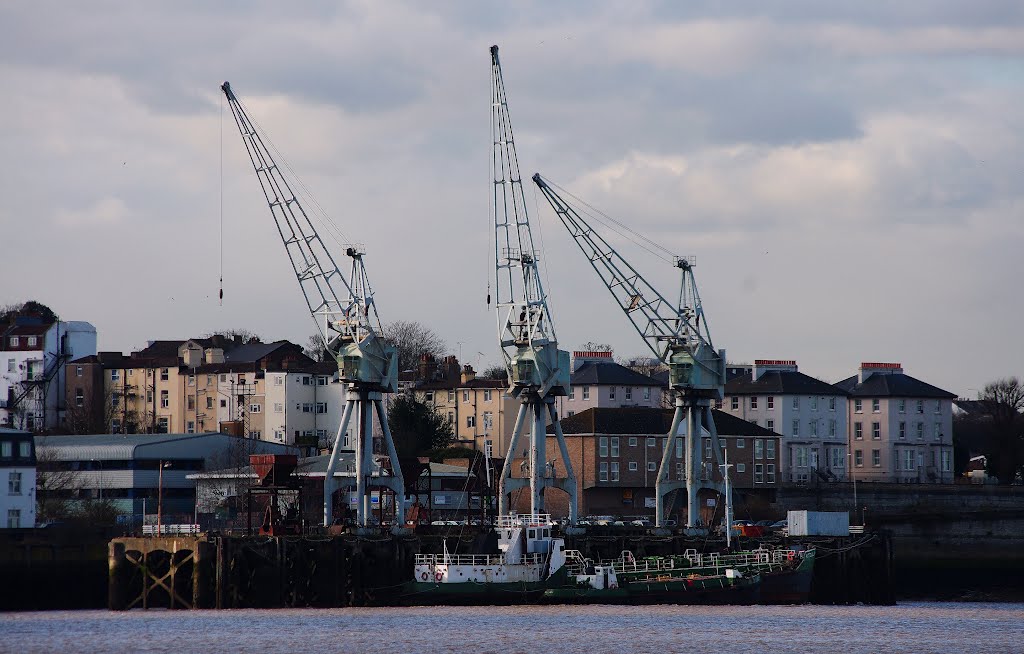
(121, 446)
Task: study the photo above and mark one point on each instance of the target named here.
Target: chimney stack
(762, 366)
(468, 374)
(868, 369)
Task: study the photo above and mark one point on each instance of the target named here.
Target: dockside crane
(346, 316)
(537, 370)
(678, 335)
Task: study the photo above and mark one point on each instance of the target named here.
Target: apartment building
(33, 354)
(900, 428)
(597, 381)
(17, 479)
(809, 415)
(268, 391)
(481, 411)
(616, 452)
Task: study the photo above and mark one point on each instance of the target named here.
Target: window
(223, 379)
(223, 404)
(14, 483)
(615, 447)
(903, 430)
(876, 431)
(734, 403)
(769, 424)
(741, 443)
(586, 392)
(321, 380)
(632, 441)
(465, 397)
(718, 404)
(707, 449)
(753, 402)
(901, 406)
(647, 392)
(255, 433)
(6, 450)
(164, 374)
(835, 457)
(307, 407)
(814, 427)
(191, 380)
(796, 428)
(944, 455)
(489, 421)
(428, 396)
(471, 421)
(306, 380)
(771, 402)
(451, 417)
(858, 430)
(876, 458)
(801, 457)
(163, 425)
(814, 403)
(602, 446)
(632, 466)
(209, 402)
(572, 392)
(258, 408)
(652, 467)
(115, 375)
(615, 471)
(832, 427)
(629, 392)
(79, 397)
(920, 406)
(876, 405)
(611, 392)
(758, 473)
(769, 448)
(487, 395)
(679, 448)
(831, 404)
(14, 341)
(938, 406)
(115, 426)
(321, 407)
(451, 396)
(908, 459)
(78, 371)
(190, 427)
(858, 459)
(758, 448)
(13, 518)
(191, 402)
(920, 431)
(770, 471)
(741, 467)
(12, 366)
(796, 402)
(936, 433)
(165, 399)
(32, 341)
(650, 441)
(858, 406)
(602, 471)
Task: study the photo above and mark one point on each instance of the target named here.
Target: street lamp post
(160, 497)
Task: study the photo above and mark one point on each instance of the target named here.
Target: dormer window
(14, 341)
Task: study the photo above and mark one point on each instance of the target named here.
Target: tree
(316, 348)
(417, 428)
(413, 340)
(29, 307)
(495, 372)
(1005, 442)
(591, 346)
(245, 334)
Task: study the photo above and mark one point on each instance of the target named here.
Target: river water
(909, 627)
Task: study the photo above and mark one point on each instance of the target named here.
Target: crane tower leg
(538, 457)
(664, 485)
(507, 483)
(397, 480)
(569, 485)
(332, 465)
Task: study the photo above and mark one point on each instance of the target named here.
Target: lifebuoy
(438, 576)
(790, 554)
(424, 576)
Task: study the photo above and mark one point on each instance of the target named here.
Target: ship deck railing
(627, 563)
(477, 559)
(525, 520)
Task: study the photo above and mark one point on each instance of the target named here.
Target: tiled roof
(608, 420)
(892, 385)
(611, 374)
(780, 382)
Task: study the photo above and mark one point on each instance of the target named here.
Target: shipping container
(819, 523)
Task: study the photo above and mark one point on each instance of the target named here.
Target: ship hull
(679, 591)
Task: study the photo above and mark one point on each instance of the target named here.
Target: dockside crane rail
(537, 370)
(676, 333)
(346, 316)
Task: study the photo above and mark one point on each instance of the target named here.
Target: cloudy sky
(851, 180)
